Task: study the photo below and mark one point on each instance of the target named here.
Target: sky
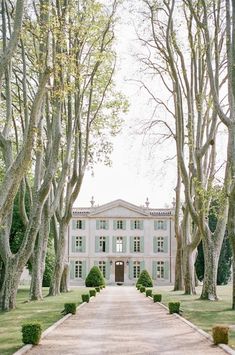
(138, 170)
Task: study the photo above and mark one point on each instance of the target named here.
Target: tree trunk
(39, 256)
(10, 284)
(60, 245)
(211, 259)
(64, 279)
(231, 233)
(179, 285)
(189, 272)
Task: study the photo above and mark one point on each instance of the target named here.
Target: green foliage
(70, 308)
(220, 334)
(85, 297)
(142, 289)
(49, 263)
(148, 293)
(174, 307)
(94, 278)
(145, 279)
(157, 297)
(138, 286)
(97, 289)
(92, 293)
(31, 333)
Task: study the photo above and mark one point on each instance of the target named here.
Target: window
(160, 269)
(102, 244)
(102, 267)
(120, 225)
(79, 224)
(103, 224)
(136, 224)
(78, 269)
(136, 269)
(160, 225)
(160, 244)
(119, 244)
(78, 243)
(137, 244)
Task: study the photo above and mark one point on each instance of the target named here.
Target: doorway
(119, 271)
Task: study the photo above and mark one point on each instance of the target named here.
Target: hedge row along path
(122, 321)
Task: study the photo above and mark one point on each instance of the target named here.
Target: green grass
(47, 312)
(204, 314)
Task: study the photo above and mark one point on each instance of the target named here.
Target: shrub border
(24, 349)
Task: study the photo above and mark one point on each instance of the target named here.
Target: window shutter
(142, 265)
(73, 244)
(114, 225)
(132, 225)
(124, 245)
(97, 239)
(97, 224)
(72, 269)
(131, 244)
(142, 244)
(106, 224)
(83, 244)
(107, 244)
(83, 225)
(130, 270)
(74, 224)
(141, 225)
(124, 224)
(154, 270)
(155, 244)
(165, 244)
(166, 270)
(114, 244)
(84, 269)
(155, 225)
(107, 270)
(165, 225)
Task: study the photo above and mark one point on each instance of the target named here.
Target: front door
(119, 271)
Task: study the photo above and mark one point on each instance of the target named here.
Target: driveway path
(122, 321)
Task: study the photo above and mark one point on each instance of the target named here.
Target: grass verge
(202, 313)
(47, 312)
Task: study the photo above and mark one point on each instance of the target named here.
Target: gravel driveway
(122, 321)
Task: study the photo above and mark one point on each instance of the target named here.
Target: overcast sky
(138, 170)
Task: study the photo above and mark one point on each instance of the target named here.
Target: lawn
(47, 312)
(204, 314)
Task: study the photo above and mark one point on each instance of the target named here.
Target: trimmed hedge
(157, 297)
(145, 279)
(97, 289)
(85, 297)
(142, 289)
(31, 333)
(70, 308)
(174, 307)
(94, 278)
(138, 286)
(149, 293)
(220, 334)
(92, 293)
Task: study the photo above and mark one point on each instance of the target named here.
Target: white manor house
(122, 239)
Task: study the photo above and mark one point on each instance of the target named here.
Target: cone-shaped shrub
(145, 279)
(94, 278)
(220, 334)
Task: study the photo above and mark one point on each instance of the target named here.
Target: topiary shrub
(94, 278)
(85, 297)
(31, 333)
(145, 279)
(138, 286)
(97, 289)
(70, 308)
(92, 293)
(142, 289)
(148, 293)
(157, 297)
(220, 334)
(174, 307)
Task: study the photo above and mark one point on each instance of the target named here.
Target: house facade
(122, 239)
